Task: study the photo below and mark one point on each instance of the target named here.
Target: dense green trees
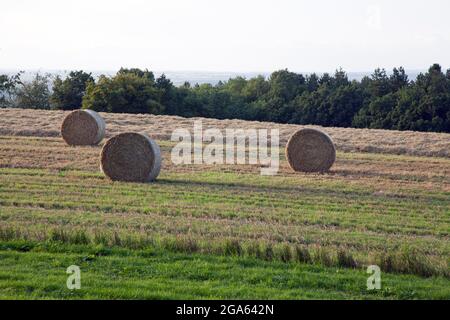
(381, 100)
(68, 93)
(377, 114)
(422, 105)
(130, 91)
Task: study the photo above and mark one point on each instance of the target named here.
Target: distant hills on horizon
(193, 77)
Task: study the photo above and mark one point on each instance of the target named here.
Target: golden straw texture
(310, 150)
(131, 157)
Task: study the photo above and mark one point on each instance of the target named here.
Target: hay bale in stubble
(83, 127)
(132, 157)
(310, 150)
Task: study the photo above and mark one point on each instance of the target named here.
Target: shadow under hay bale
(132, 157)
(83, 127)
(310, 150)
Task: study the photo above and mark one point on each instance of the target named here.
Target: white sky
(224, 35)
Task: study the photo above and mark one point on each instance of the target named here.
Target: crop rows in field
(220, 211)
(46, 123)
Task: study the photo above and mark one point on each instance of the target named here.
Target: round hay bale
(310, 150)
(83, 127)
(132, 157)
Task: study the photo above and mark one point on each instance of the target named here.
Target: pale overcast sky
(231, 35)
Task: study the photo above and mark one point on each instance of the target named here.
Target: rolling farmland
(223, 231)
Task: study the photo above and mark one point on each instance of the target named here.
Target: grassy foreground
(38, 270)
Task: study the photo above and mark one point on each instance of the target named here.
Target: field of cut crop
(205, 231)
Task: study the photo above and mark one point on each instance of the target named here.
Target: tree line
(381, 100)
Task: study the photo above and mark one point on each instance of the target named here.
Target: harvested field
(180, 236)
(41, 123)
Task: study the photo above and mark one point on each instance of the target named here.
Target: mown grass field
(37, 270)
(221, 231)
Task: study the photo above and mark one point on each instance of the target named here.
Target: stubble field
(222, 231)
